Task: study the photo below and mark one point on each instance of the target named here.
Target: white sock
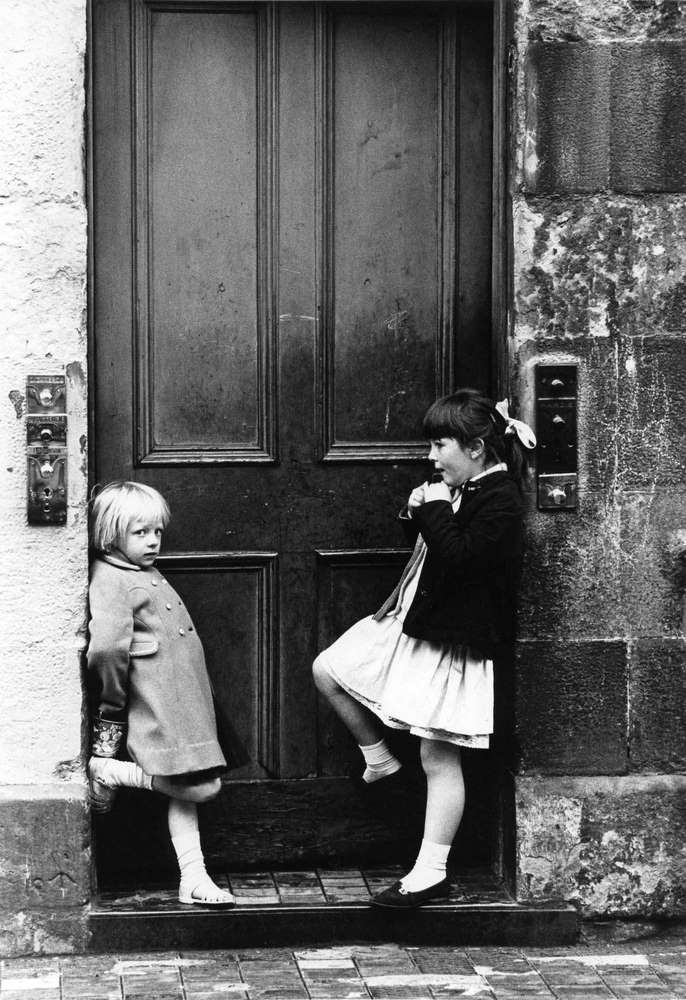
(185, 836)
(379, 760)
(429, 868)
(118, 773)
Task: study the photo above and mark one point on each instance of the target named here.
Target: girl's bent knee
(206, 790)
(320, 672)
(188, 790)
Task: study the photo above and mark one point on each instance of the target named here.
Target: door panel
(199, 124)
(383, 147)
(291, 257)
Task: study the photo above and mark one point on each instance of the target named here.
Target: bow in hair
(518, 427)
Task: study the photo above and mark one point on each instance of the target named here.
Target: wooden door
(291, 234)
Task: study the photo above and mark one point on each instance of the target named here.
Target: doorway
(292, 256)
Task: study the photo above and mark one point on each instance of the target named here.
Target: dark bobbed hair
(467, 415)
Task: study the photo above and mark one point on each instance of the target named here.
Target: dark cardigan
(467, 587)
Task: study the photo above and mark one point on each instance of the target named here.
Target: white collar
(500, 467)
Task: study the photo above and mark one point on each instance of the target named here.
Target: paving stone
(441, 960)
(330, 991)
(582, 992)
(264, 954)
(505, 991)
(325, 954)
(647, 992)
(278, 993)
(150, 990)
(216, 994)
(11, 994)
(404, 992)
(113, 994)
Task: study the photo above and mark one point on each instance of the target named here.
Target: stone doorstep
(317, 907)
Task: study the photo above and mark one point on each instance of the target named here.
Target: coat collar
(119, 563)
(487, 481)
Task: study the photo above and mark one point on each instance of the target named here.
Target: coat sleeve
(482, 544)
(111, 632)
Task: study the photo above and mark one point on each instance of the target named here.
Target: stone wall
(44, 868)
(599, 269)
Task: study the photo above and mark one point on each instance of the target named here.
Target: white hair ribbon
(518, 427)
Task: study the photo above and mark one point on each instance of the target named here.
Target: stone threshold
(323, 906)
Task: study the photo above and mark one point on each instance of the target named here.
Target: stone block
(571, 707)
(567, 117)
(573, 572)
(44, 848)
(651, 297)
(607, 267)
(572, 268)
(605, 116)
(42, 932)
(648, 110)
(653, 592)
(613, 20)
(657, 695)
(652, 413)
(611, 846)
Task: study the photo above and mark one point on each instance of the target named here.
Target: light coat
(147, 668)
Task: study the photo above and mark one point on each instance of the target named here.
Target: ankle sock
(429, 868)
(118, 773)
(190, 858)
(379, 760)
(195, 885)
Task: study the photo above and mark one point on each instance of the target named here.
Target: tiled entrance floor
(319, 887)
(323, 906)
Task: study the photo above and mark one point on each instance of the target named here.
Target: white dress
(437, 690)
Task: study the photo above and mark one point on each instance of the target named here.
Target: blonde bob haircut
(120, 503)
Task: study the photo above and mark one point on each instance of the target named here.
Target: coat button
(154, 583)
(168, 606)
(182, 631)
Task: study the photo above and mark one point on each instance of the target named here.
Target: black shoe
(395, 898)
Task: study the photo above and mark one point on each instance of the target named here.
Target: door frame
(503, 65)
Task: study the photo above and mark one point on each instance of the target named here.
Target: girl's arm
(111, 632)
(485, 542)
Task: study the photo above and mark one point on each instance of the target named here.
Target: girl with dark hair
(424, 661)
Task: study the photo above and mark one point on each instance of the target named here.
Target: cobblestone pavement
(387, 972)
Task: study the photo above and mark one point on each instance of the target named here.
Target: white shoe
(101, 794)
(205, 893)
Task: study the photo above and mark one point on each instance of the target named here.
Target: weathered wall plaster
(44, 569)
(42, 314)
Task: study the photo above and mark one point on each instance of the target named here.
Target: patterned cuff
(107, 737)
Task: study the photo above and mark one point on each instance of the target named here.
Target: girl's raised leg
(105, 774)
(362, 724)
(196, 886)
